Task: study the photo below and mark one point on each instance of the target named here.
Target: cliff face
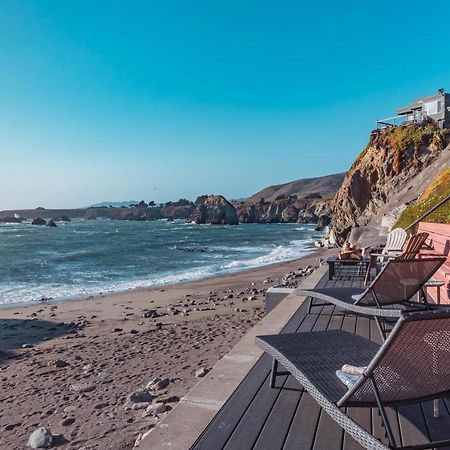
(312, 209)
(214, 209)
(391, 172)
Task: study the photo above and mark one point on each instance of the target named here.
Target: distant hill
(326, 186)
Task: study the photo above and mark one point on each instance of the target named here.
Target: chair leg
(381, 327)
(273, 374)
(383, 415)
(424, 298)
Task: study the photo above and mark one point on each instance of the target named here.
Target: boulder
(158, 383)
(40, 438)
(51, 223)
(140, 396)
(155, 408)
(38, 221)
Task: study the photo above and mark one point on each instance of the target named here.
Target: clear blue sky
(115, 100)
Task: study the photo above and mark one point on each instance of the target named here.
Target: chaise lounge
(396, 285)
(411, 366)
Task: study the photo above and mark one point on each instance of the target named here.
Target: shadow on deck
(258, 417)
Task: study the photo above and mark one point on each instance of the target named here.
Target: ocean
(82, 258)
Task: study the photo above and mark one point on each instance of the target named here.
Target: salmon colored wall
(439, 241)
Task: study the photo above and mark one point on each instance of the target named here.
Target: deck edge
(183, 425)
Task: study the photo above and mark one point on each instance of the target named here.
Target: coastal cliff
(311, 209)
(308, 200)
(390, 173)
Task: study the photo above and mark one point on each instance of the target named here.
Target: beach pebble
(140, 405)
(58, 363)
(69, 409)
(156, 408)
(68, 421)
(158, 383)
(82, 388)
(140, 396)
(149, 314)
(101, 405)
(40, 438)
(201, 372)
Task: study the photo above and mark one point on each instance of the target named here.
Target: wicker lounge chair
(397, 283)
(412, 365)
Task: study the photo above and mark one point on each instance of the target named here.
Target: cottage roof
(417, 104)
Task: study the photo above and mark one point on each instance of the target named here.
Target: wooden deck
(258, 417)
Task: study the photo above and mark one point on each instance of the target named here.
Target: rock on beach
(40, 438)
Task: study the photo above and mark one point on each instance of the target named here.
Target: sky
(159, 100)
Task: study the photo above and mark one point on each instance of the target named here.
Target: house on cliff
(435, 107)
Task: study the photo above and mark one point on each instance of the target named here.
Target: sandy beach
(72, 366)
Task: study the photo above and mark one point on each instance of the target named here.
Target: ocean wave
(64, 266)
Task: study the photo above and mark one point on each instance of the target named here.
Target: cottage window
(432, 107)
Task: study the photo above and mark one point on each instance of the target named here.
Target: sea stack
(38, 221)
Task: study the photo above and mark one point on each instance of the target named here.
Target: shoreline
(113, 346)
(310, 249)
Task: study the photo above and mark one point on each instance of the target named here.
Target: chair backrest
(413, 364)
(395, 240)
(399, 281)
(414, 245)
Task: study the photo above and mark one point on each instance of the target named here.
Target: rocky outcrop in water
(38, 221)
(10, 220)
(215, 210)
(392, 171)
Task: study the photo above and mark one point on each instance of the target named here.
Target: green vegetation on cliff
(436, 192)
(413, 135)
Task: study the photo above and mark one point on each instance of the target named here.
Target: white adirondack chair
(394, 243)
(393, 248)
